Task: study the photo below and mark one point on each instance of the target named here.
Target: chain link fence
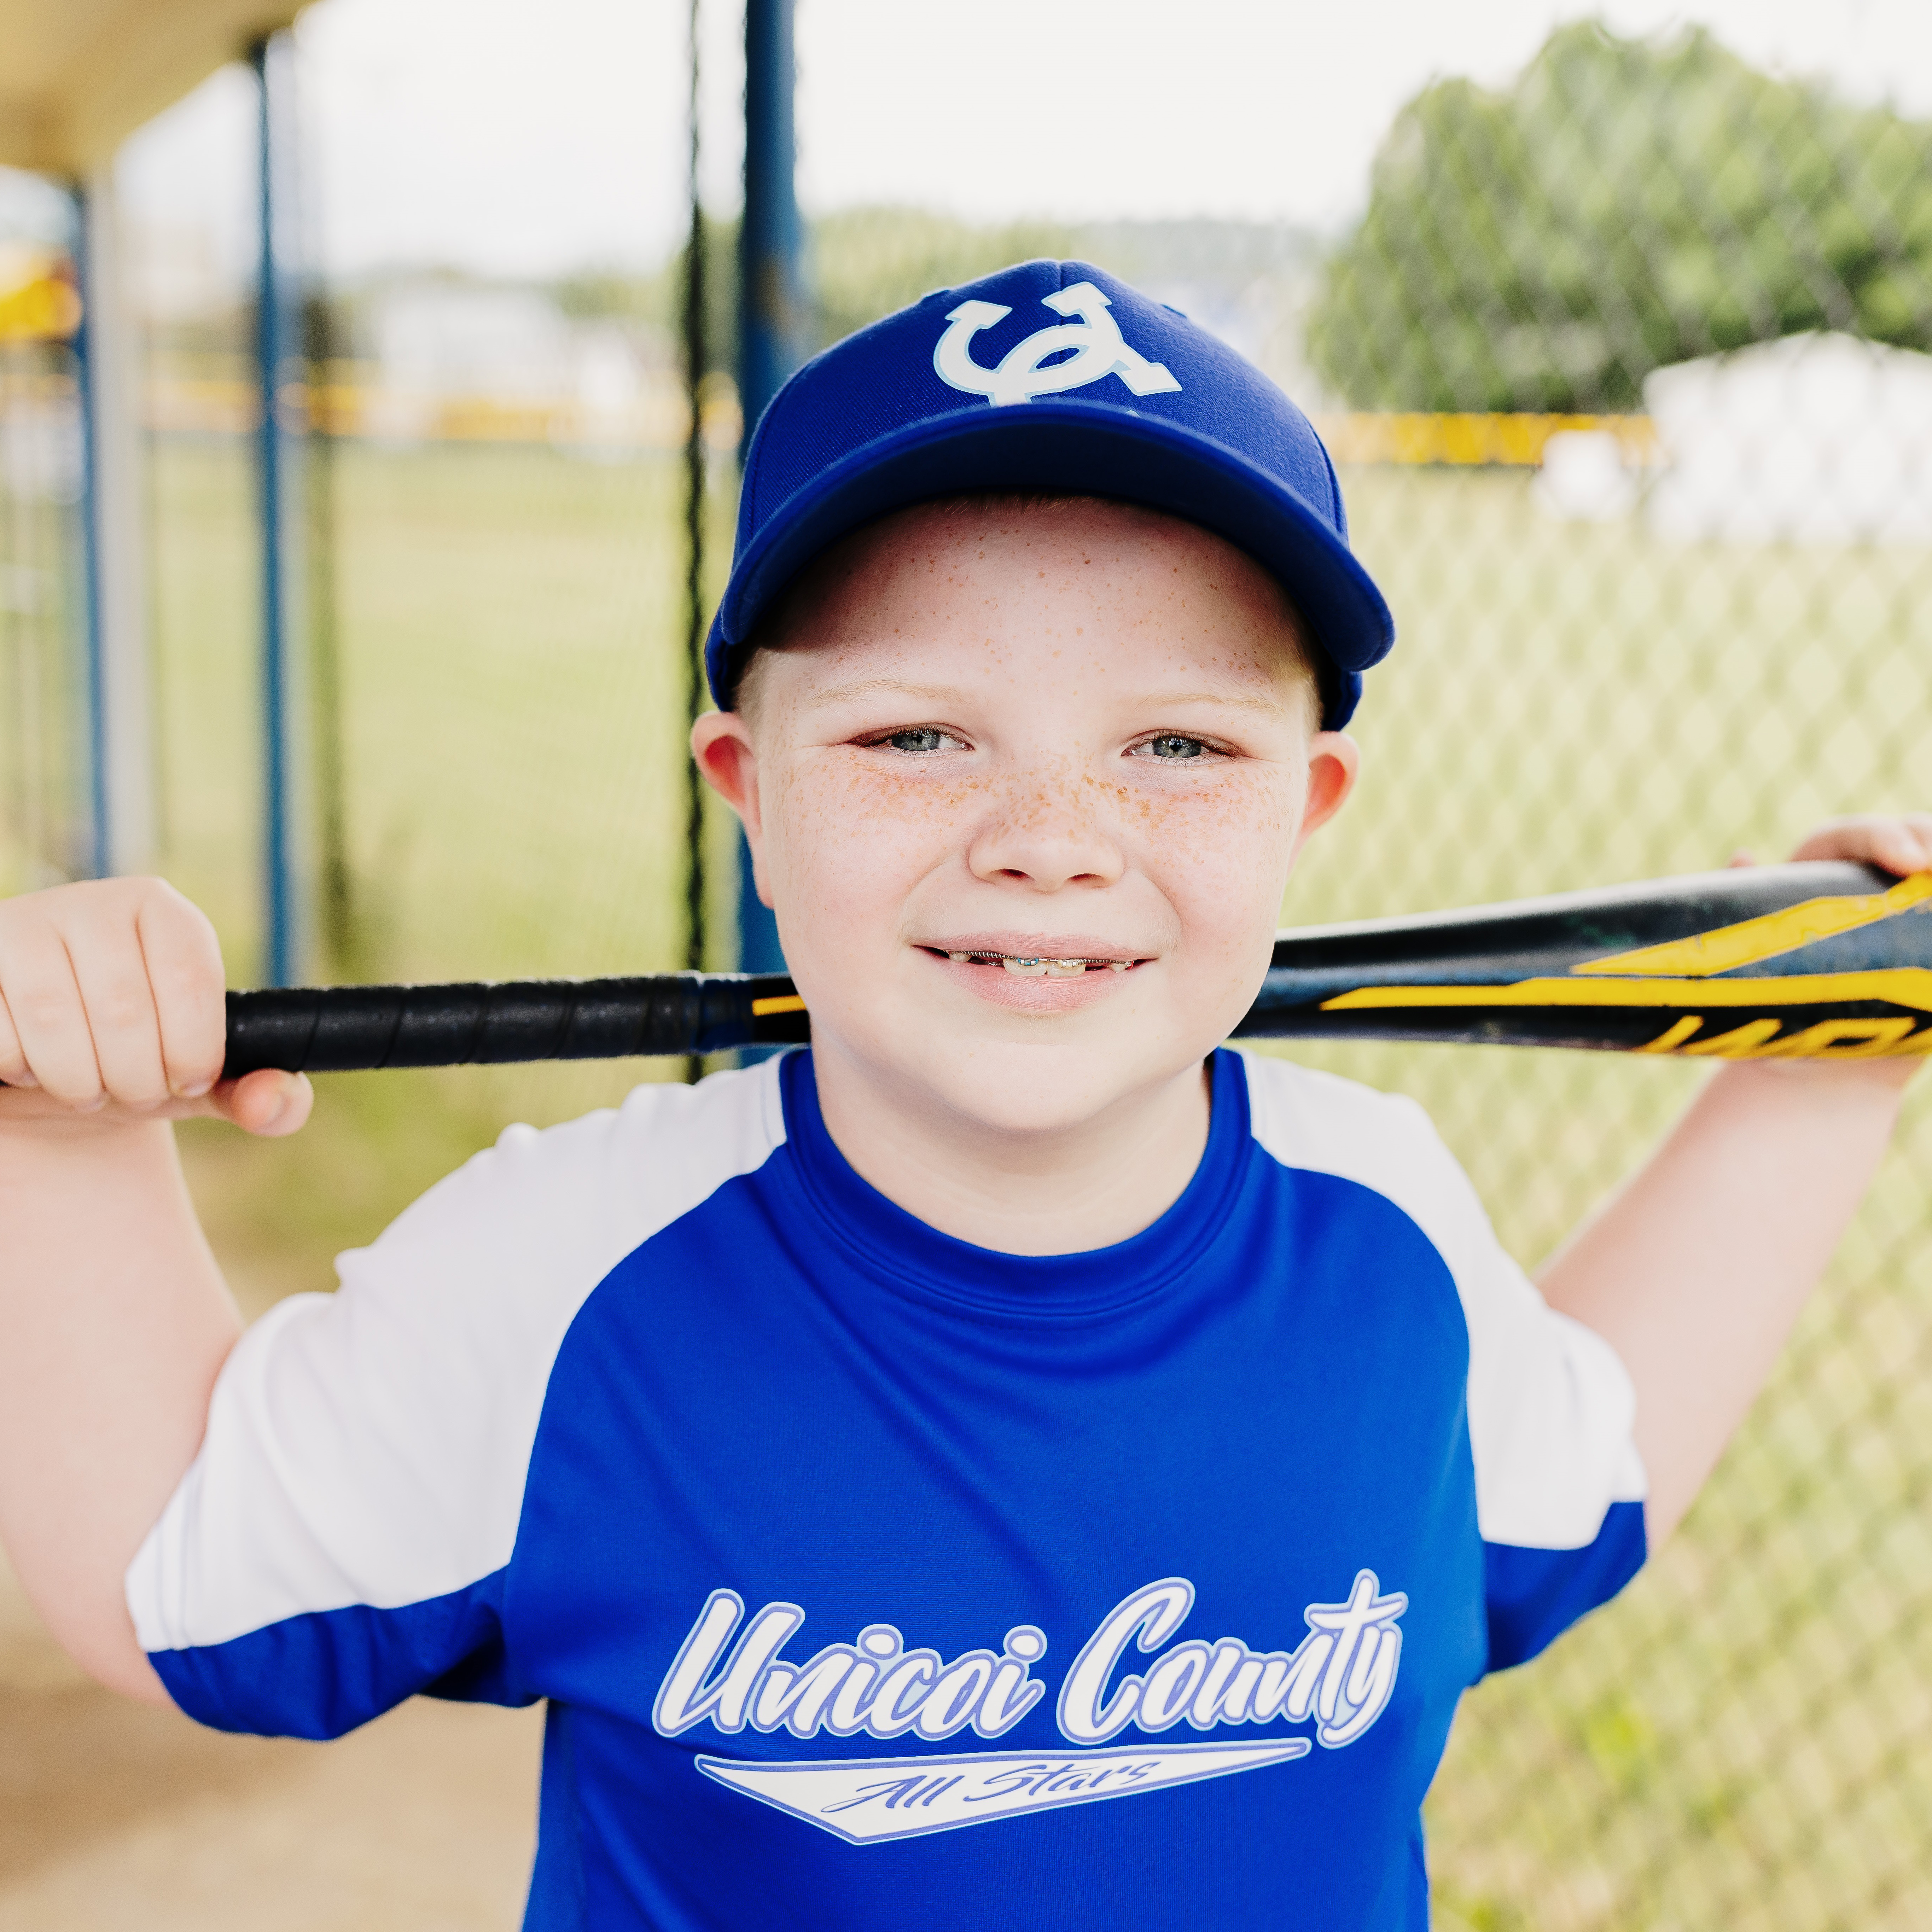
(1623, 366)
(1739, 1739)
(1702, 622)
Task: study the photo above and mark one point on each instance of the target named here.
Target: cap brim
(1084, 448)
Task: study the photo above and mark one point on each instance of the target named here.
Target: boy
(1016, 1464)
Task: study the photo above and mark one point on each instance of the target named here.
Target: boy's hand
(1897, 842)
(114, 1318)
(1696, 1270)
(112, 1012)
(1900, 842)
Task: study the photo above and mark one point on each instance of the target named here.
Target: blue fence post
(771, 312)
(99, 859)
(272, 348)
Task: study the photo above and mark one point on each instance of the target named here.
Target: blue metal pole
(92, 570)
(771, 292)
(272, 348)
(771, 311)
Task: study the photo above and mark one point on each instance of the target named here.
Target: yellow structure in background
(353, 401)
(38, 301)
(76, 78)
(1516, 440)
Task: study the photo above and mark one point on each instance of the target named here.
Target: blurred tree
(865, 262)
(1625, 204)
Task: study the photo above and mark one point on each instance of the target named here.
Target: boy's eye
(1171, 748)
(920, 740)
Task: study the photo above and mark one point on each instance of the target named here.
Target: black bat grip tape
(346, 1029)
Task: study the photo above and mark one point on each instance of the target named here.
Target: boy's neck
(1061, 1191)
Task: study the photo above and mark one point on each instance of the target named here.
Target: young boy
(1016, 1465)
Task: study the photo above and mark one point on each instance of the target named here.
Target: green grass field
(515, 765)
(1738, 1741)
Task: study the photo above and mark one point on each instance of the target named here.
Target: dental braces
(1040, 967)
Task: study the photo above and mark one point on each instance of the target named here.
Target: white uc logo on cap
(1096, 337)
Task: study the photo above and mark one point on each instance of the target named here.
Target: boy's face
(1076, 730)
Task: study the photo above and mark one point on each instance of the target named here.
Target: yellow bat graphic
(1677, 977)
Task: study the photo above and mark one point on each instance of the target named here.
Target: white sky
(529, 136)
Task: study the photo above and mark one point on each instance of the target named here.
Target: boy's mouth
(1043, 966)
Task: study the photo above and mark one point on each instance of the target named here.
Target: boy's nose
(1046, 838)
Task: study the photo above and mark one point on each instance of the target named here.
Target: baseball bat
(1819, 960)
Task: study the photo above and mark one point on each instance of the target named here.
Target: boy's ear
(1334, 763)
(721, 743)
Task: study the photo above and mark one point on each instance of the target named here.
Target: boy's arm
(1696, 1269)
(114, 1318)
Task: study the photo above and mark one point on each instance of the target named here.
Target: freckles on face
(865, 851)
(1222, 856)
(828, 794)
(1040, 657)
(1256, 801)
(844, 829)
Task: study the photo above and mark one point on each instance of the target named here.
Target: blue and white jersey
(877, 1579)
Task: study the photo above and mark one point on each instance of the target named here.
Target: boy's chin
(1041, 1089)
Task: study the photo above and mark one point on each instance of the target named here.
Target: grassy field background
(1737, 1741)
(514, 763)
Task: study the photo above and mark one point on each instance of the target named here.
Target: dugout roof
(78, 76)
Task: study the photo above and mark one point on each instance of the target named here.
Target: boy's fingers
(1901, 844)
(43, 1003)
(120, 1006)
(267, 1102)
(14, 1070)
(184, 964)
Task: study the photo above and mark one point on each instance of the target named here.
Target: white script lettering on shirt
(1341, 1674)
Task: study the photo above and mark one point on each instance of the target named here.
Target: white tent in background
(1585, 477)
(1814, 439)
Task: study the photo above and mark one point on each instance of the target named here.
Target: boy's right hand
(114, 1320)
(112, 1012)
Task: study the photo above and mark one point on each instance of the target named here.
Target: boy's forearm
(114, 1323)
(1697, 1269)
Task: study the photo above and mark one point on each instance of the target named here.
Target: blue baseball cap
(1048, 375)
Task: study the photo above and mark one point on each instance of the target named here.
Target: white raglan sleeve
(341, 1541)
(1559, 1484)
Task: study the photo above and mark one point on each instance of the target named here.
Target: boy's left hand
(1696, 1270)
(1900, 842)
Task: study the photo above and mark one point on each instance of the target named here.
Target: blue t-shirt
(875, 1579)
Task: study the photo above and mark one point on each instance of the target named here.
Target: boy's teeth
(1040, 967)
